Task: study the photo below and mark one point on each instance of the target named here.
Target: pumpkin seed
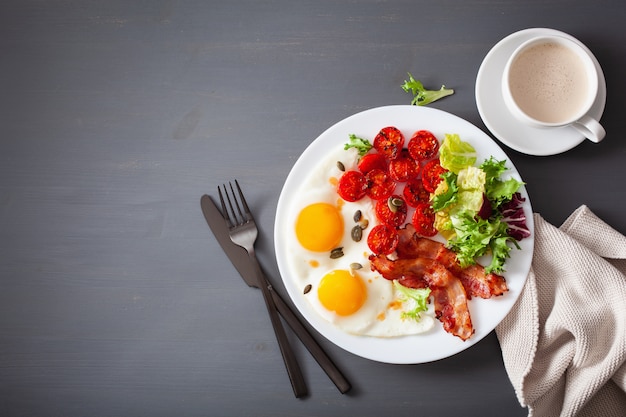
(336, 253)
(357, 215)
(355, 266)
(357, 233)
(307, 288)
(364, 223)
(394, 204)
(341, 166)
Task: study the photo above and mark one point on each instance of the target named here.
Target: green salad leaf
(476, 237)
(473, 236)
(448, 197)
(493, 168)
(422, 96)
(497, 190)
(362, 145)
(454, 154)
(500, 250)
(419, 296)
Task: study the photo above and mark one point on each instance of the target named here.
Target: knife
(241, 261)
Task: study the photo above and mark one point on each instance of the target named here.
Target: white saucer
(502, 124)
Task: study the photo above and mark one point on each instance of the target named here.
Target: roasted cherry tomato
(392, 211)
(424, 220)
(379, 184)
(352, 186)
(372, 161)
(414, 192)
(431, 175)
(423, 145)
(382, 239)
(404, 167)
(389, 142)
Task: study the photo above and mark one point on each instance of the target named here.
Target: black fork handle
(291, 363)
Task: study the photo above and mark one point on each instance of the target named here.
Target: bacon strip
(450, 298)
(476, 282)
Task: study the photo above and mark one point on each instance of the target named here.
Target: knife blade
(240, 260)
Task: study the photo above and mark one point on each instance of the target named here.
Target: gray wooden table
(116, 116)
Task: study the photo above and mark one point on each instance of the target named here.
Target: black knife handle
(311, 344)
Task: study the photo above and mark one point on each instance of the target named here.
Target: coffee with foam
(552, 81)
(549, 82)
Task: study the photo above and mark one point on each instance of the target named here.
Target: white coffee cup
(552, 81)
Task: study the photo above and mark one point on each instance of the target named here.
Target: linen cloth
(564, 341)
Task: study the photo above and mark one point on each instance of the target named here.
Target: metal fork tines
(243, 232)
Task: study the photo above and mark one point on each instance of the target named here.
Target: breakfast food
(367, 249)
(329, 257)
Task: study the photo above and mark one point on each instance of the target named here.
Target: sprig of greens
(448, 197)
(419, 297)
(476, 236)
(422, 96)
(362, 145)
(498, 191)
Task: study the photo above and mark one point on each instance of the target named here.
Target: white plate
(436, 344)
(502, 124)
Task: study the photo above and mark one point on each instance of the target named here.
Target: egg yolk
(342, 292)
(319, 227)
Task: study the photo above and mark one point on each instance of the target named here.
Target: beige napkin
(564, 341)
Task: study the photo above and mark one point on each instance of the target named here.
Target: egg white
(380, 315)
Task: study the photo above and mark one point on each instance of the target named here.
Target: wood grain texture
(116, 116)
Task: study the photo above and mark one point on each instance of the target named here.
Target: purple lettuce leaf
(513, 215)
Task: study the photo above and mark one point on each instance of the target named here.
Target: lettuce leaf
(471, 200)
(422, 96)
(500, 250)
(419, 296)
(449, 196)
(476, 237)
(513, 215)
(472, 178)
(454, 154)
(493, 168)
(497, 190)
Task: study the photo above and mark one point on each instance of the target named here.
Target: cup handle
(590, 127)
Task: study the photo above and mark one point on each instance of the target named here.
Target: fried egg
(330, 262)
(319, 227)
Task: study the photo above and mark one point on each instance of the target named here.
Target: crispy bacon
(476, 282)
(450, 298)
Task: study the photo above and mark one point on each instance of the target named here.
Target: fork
(243, 232)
